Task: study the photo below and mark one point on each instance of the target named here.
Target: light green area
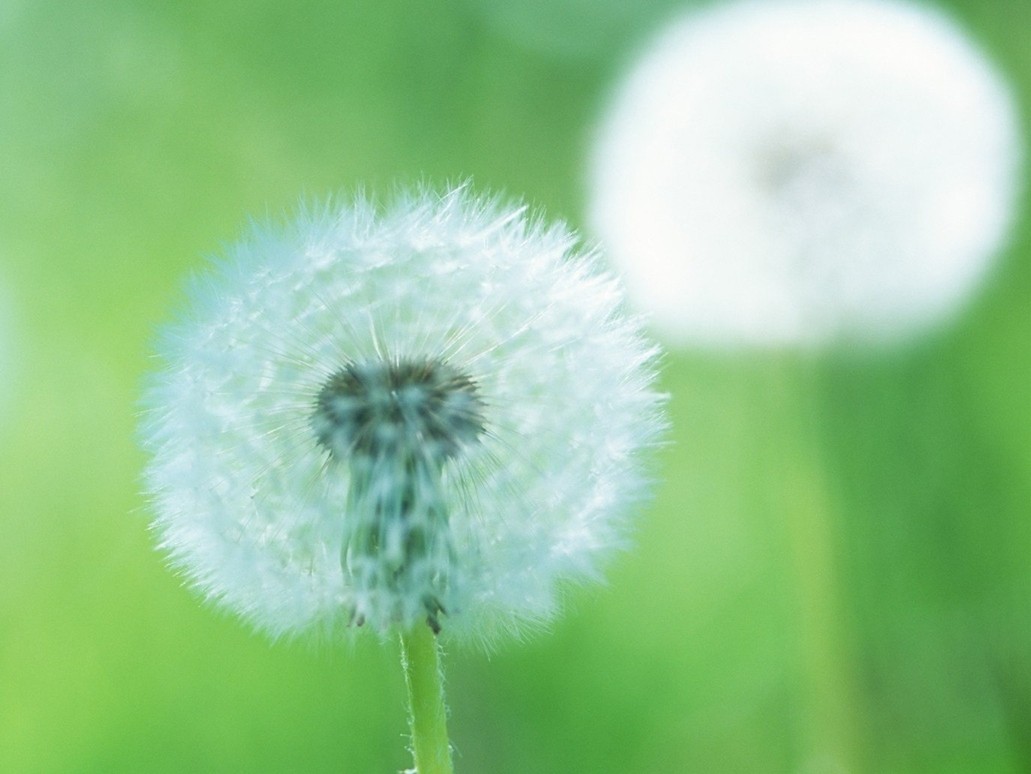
(838, 561)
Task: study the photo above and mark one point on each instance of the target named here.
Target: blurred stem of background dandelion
(804, 501)
(772, 532)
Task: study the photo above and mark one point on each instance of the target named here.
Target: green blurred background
(834, 575)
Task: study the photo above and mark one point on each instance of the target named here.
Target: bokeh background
(834, 575)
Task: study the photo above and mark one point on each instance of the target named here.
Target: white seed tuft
(806, 171)
(429, 413)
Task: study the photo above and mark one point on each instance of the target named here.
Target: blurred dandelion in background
(800, 172)
(806, 176)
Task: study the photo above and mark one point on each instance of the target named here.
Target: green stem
(808, 504)
(427, 711)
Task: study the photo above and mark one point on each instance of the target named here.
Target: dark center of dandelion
(396, 424)
(422, 407)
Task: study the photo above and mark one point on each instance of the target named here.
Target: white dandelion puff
(372, 418)
(804, 171)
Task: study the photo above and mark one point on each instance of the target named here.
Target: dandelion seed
(799, 172)
(431, 413)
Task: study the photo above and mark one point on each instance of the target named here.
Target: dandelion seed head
(806, 171)
(375, 409)
(378, 416)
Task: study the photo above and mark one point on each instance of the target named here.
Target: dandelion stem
(427, 711)
(807, 500)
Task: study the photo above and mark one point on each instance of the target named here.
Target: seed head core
(404, 407)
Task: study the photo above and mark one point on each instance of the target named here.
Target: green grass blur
(836, 566)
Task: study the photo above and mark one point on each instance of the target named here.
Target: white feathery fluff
(433, 411)
(799, 172)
